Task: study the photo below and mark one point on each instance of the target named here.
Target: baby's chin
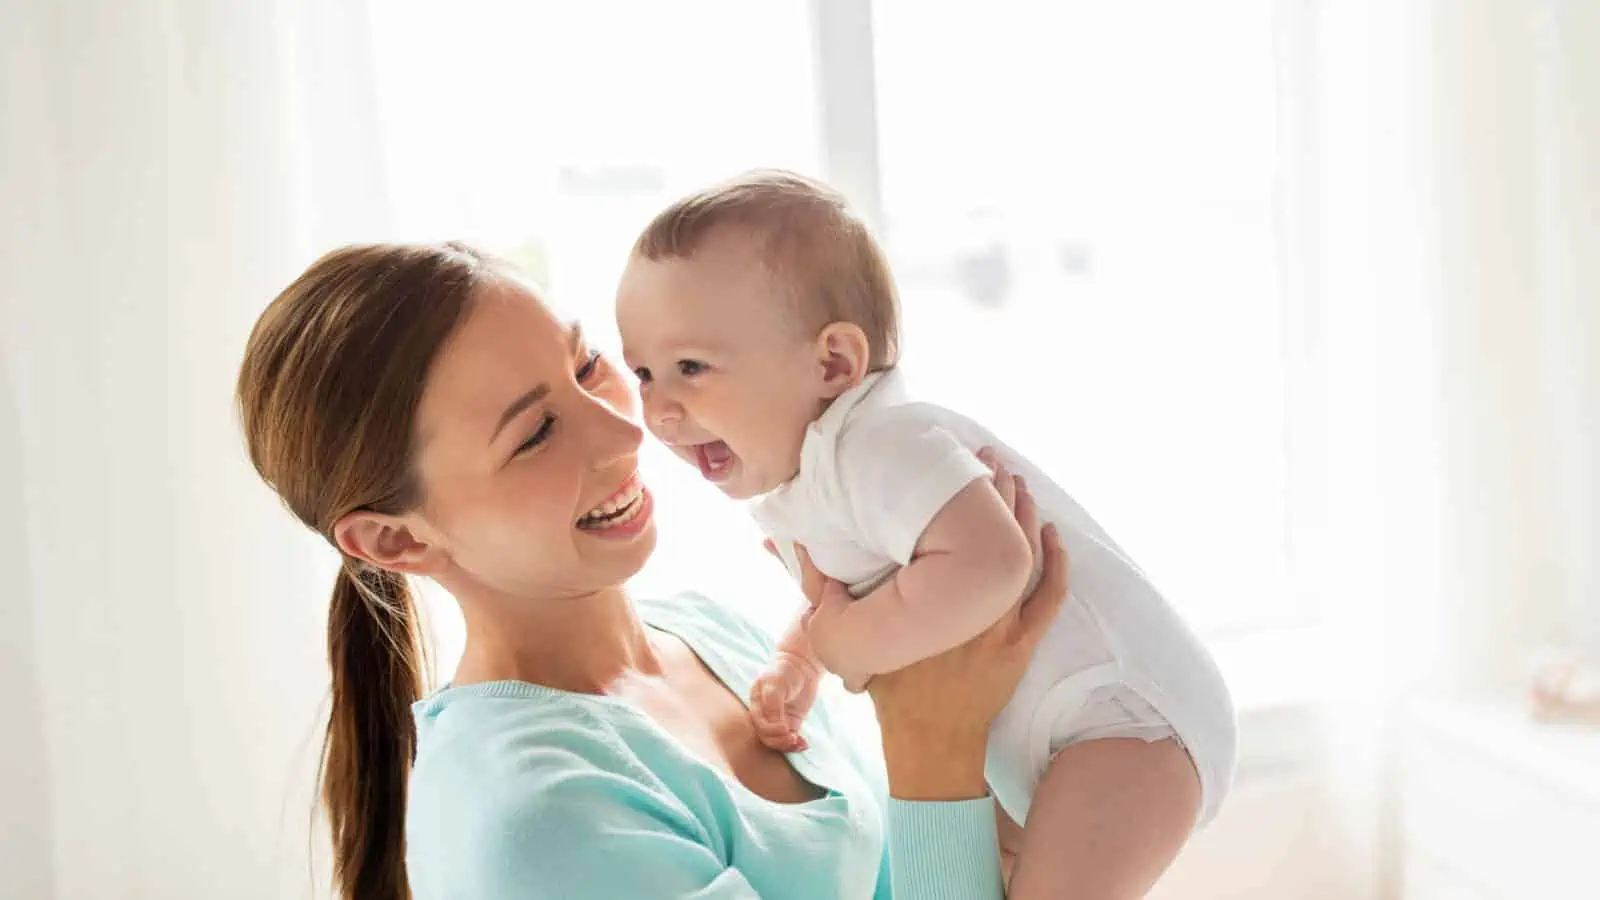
(755, 486)
(739, 492)
(744, 484)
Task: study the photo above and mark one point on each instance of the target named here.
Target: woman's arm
(935, 717)
(942, 827)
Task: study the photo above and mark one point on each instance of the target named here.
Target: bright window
(1081, 200)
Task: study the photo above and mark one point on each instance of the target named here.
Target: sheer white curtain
(1508, 392)
(1456, 336)
(1370, 551)
(1568, 126)
(168, 167)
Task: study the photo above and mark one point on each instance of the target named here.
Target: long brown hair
(328, 394)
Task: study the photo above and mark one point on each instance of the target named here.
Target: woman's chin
(625, 559)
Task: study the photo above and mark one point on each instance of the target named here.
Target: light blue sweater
(525, 792)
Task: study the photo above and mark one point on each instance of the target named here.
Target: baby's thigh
(1108, 818)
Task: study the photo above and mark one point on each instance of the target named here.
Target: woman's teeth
(615, 511)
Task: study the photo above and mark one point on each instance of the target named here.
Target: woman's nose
(612, 433)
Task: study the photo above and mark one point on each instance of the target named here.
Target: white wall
(1568, 38)
(25, 815)
(1504, 531)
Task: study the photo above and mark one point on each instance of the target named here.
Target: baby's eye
(690, 367)
(643, 374)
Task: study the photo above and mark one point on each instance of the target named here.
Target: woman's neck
(585, 644)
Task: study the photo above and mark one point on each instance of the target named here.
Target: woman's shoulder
(704, 612)
(480, 740)
(505, 777)
(485, 734)
(708, 624)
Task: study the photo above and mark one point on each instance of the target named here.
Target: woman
(430, 416)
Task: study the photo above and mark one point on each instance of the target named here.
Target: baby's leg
(1107, 819)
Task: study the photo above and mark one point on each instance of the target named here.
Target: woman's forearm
(930, 764)
(943, 843)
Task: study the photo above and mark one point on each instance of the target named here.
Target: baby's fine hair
(810, 240)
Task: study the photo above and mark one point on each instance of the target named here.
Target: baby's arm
(969, 566)
(784, 692)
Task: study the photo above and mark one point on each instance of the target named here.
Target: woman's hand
(935, 714)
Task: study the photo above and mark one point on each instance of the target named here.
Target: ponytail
(380, 667)
(328, 394)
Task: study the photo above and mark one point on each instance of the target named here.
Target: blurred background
(1300, 297)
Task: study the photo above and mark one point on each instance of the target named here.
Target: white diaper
(1115, 664)
(1111, 711)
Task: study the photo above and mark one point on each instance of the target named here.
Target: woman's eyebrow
(517, 406)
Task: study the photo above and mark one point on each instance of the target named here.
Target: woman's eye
(538, 436)
(690, 367)
(587, 370)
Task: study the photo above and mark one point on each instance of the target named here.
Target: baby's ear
(844, 354)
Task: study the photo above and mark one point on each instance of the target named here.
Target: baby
(762, 322)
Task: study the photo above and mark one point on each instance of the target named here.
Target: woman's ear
(844, 354)
(388, 542)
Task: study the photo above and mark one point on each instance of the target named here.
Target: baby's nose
(663, 415)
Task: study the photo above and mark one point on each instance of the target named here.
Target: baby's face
(728, 378)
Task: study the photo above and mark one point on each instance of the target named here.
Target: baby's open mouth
(716, 460)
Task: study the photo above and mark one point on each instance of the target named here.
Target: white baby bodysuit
(876, 468)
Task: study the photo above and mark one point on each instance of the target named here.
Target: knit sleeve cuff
(944, 851)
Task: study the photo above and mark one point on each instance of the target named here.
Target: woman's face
(527, 452)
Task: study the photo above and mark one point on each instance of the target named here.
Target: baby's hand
(780, 699)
